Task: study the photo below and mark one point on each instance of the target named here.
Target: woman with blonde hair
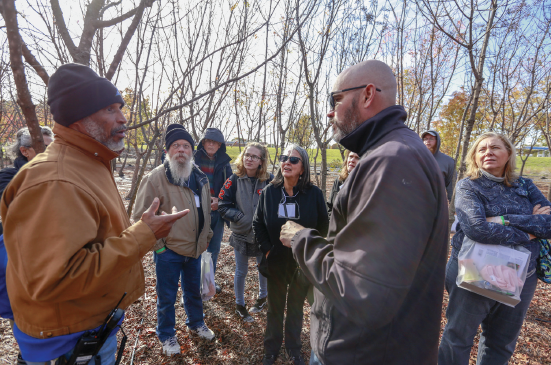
(494, 206)
(350, 161)
(237, 202)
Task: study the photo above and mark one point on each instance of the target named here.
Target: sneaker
(242, 311)
(171, 346)
(20, 360)
(259, 305)
(218, 288)
(296, 357)
(203, 332)
(269, 359)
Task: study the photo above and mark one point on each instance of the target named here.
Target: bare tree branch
(18, 69)
(62, 27)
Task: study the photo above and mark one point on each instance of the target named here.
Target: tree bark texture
(24, 98)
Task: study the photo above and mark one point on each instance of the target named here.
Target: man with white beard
(179, 183)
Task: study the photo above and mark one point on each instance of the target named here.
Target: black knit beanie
(75, 91)
(175, 132)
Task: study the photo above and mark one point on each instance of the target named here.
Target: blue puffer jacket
(480, 198)
(5, 307)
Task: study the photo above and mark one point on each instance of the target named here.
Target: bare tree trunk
(23, 95)
(140, 176)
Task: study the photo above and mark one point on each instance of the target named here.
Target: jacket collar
(372, 130)
(19, 162)
(88, 145)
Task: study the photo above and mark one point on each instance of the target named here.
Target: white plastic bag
(207, 276)
(494, 271)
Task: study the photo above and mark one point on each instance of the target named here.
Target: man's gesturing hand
(161, 224)
(288, 231)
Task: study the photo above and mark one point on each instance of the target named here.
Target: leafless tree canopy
(261, 70)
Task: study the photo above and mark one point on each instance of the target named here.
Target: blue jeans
(314, 359)
(501, 324)
(217, 226)
(168, 266)
(107, 353)
(241, 269)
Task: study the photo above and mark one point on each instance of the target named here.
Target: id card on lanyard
(288, 210)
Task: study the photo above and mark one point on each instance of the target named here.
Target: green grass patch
(332, 155)
(535, 166)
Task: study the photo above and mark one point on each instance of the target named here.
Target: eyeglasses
(251, 157)
(292, 159)
(176, 146)
(331, 100)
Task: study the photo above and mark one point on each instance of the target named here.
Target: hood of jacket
(215, 135)
(372, 130)
(438, 140)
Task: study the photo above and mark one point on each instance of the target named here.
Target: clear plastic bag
(208, 288)
(494, 271)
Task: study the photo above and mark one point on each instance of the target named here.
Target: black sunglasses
(331, 100)
(292, 159)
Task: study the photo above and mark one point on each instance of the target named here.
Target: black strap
(121, 347)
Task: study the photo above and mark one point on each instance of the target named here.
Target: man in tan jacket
(179, 183)
(72, 251)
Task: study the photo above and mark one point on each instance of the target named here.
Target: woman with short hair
(22, 151)
(494, 206)
(350, 161)
(237, 203)
(290, 196)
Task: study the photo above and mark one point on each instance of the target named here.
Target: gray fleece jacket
(445, 162)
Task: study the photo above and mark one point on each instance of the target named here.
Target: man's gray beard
(96, 132)
(180, 170)
(351, 122)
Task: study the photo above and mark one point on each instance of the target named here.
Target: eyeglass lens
(252, 157)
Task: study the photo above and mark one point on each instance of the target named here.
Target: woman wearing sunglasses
(290, 196)
(237, 201)
(347, 166)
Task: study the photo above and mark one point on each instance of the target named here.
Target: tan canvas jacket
(72, 253)
(183, 238)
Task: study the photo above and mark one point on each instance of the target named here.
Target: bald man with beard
(379, 274)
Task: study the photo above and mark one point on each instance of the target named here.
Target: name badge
(197, 201)
(287, 211)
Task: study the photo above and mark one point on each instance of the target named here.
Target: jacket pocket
(158, 245)
(263, 266)
(320, 328)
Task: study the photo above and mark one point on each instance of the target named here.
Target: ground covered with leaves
(237, 342)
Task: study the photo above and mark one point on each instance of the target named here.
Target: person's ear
(24, 151)
(367, 96)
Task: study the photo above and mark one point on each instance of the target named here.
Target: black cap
(175, 132)
(75, 91)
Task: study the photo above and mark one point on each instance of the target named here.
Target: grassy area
(331, 154)
(536, 166)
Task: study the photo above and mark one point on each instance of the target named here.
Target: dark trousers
(500, 323)
(281, 290)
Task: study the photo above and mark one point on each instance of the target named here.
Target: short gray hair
(23, 139)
